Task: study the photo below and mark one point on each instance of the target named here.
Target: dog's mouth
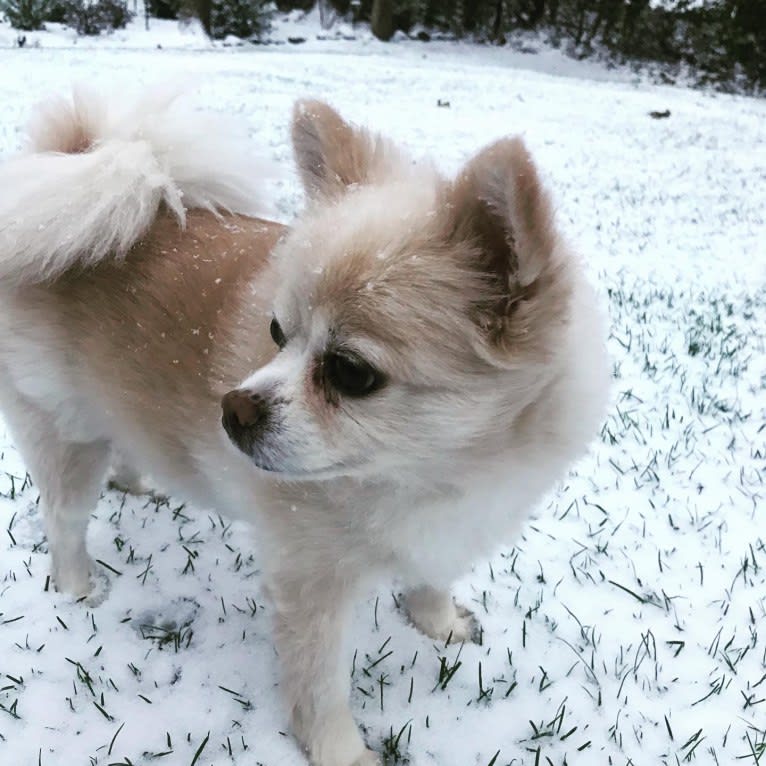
(290, 473)
(281, 469)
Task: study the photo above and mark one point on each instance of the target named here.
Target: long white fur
(96, 174)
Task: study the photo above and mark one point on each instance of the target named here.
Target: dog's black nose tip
(243, 412)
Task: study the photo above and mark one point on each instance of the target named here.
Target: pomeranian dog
(385, 388)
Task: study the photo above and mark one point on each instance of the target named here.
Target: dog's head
(416, 317)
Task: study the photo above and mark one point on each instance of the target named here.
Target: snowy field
(627, 625)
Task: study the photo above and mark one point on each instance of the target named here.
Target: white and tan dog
(402, 374)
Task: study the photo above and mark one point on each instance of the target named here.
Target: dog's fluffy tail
(94, 178)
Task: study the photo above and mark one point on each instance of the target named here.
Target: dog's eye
(350, 375)
(276, 333)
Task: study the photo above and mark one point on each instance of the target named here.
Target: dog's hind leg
(69, 476)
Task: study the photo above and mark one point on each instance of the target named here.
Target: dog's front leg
(310, 623)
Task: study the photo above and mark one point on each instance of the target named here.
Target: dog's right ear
(333, 155)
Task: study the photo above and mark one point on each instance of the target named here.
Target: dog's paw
(73, 581)
(82, 583)
(123, 477)
(466, 627)
(368, 758)
(335, 739)
(101, 584)
(434, 613)
(131, 483)
(462, 627)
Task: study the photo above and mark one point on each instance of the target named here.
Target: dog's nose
(243, 413)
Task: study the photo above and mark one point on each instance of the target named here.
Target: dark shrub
(94, 17)
(25, 14)
(244, 18)
(165, 9)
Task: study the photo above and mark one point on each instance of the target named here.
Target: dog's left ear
(333, 155)
(499, 206)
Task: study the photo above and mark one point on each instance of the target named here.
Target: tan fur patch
(151, 329)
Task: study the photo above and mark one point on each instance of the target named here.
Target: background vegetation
(722, 42)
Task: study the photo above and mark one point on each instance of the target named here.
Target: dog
(385, 388)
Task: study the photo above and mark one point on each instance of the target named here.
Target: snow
(628, 622)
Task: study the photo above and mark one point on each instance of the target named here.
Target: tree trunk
(538, 11)
(383, 19)
(326, 14)
(470, 17)
(553, 12)
(497, 24)
(204, 10)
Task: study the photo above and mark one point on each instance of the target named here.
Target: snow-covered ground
(627, 625)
